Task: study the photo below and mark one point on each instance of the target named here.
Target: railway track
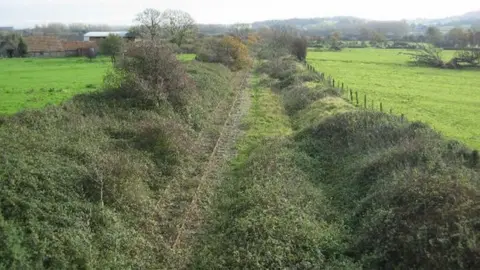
(220, 155)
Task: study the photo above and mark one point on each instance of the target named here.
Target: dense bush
(102, 183)
(154, 77)
(410, 196)
(229, 50)
(280, 68)
(270, 216)
(299, 48)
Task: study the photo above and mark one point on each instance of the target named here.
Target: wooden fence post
(381, 107)
(356, 96)
(333, 83)
(475, 157)
(365, 101)
(342, 86)
(351, 96)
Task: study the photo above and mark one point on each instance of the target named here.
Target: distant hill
(348, 24)
(467, 18)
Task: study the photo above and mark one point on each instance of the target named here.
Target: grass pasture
(448, 100)
(34, 82)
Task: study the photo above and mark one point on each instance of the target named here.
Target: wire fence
(351, 95)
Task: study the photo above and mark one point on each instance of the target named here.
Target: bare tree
(150, 23)
(434, 36)
(178, 25)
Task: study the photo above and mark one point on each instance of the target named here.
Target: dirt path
(211, 175)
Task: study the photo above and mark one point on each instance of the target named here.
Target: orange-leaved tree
(236, 52)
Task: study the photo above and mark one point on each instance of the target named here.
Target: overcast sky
(25, 13)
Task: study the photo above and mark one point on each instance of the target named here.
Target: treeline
(455, 38)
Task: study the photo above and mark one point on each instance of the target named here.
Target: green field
(34, 83)
(448, 100)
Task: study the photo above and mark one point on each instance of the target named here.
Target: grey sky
(22, 13)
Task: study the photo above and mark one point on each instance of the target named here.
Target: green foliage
(320, 109)
(439, 97)
(112, 46)
(404, 190)
(154, 77)
(299, 48)
(434, 36)
(99, 183)
(407, 197)
(228, 50)
(267, 213)
(281, 68)
(270, 216)
(22, 48)
(292, 81)
(36, 82)
(427, 55)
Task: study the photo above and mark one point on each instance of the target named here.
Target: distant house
(99, 36)
(78, 48)
(44, 46)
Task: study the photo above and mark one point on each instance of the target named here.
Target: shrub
(280, 68)
(154, 77)
(22, 48)
(270, 216)
(112, 46)
(229, 51)
(97, 183)
(91, 54)
(409, 196)
(299, 48)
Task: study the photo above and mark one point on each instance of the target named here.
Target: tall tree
(335, 38)
(378, 39)
(112, 46)
(178, 25)
(433, 35)
(365, 34)
(457, 37)
(22, 48)
(149, 24)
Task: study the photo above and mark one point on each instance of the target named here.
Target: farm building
(99, 36)
(51, 46)
(47, 46)
(78, 48)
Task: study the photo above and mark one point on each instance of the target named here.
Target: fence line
(354, 100)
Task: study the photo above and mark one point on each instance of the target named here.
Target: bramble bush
(229, 50)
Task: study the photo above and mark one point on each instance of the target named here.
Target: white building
(97, 36)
